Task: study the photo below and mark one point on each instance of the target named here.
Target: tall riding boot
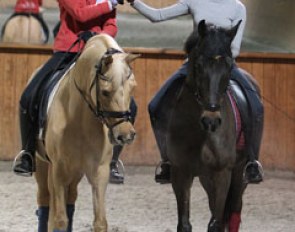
(115, 176)
(43, 214)
(24, 163)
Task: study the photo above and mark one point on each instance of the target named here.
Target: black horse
(202, 133)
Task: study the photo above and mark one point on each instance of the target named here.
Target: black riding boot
(24, 164)
(115, 176)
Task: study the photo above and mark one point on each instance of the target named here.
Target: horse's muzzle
(210, 121)
(127, 139)
(121, 134)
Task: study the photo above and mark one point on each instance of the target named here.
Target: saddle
(240, 109)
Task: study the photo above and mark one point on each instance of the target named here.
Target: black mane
(211, 40)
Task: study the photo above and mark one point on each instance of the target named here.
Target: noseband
(97, 110)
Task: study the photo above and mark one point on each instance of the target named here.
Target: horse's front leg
(41, 177)
(98, 178)
(72, 195)
(217, 187)
(58, 215)
(182, 180)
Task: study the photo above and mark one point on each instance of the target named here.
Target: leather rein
(103, 115)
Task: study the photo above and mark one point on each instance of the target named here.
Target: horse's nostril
(120, 138)
(132, 134)
(210, 123)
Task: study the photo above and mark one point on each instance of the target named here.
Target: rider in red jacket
(28, 6)
(76, 16)
(83, 15)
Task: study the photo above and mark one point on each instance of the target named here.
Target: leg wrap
(70, 213)
(42, 213)
(234, 222)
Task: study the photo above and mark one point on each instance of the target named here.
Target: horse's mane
(106, 40)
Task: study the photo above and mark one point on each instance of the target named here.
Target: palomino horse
(201, 136)
(24, 28)
(89, 114)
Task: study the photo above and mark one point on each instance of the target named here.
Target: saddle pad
(239, 130)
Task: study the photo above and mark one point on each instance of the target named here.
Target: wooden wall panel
(275, 74)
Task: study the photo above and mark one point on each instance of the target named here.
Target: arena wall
(274, 72)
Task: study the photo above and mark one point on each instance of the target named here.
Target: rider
(76, 16)
(223, 13)
(30, 7)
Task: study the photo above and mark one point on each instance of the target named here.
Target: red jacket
(83, 15)
(27, 6)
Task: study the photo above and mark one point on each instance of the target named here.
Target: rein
(97, 110)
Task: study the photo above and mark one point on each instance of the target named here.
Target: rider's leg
(159, 116)
(253, 132)
(28, 131)
(29, 115)
(115, 176)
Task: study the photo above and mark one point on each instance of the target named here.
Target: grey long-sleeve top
(222, 13)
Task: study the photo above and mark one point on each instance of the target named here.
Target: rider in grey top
(222, 13)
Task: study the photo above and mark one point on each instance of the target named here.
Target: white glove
(114, 3)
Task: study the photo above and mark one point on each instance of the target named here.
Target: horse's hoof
(184, 228)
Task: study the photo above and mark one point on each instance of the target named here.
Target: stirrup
(260, 169)
(159, 173)
(119, 171)
(16, 162)
(158, 167)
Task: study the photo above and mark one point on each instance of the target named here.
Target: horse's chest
(218, 155)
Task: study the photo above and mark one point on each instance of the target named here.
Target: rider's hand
(114, 3)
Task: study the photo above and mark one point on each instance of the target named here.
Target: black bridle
(196, 93)
(97, 110)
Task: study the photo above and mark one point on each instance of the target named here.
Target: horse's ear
(233, 31)
(202, 28)
(131, 57)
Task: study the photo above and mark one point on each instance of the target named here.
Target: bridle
(103, 115)
(196, 94)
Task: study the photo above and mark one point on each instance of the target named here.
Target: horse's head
(113, 92)
(111, 86)
(210, 65)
